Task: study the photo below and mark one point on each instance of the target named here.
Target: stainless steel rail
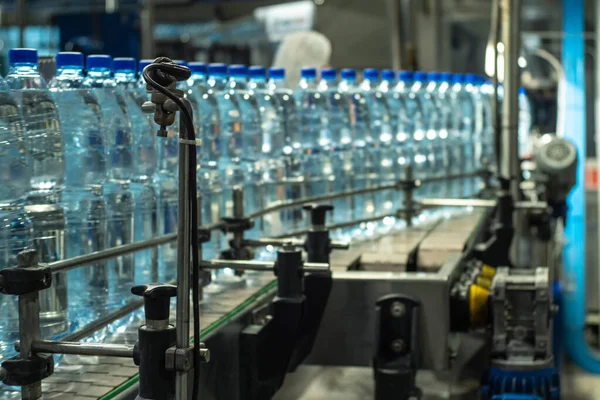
(84, 349)
(254, 265)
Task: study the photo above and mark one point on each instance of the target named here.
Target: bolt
(397, 345)
(397, 309)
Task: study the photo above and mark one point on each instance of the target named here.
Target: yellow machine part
(478, 305)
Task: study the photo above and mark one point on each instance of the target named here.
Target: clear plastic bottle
(463, 132)
(271, 163)
(362, 166)
(426, 160)
(228, 150)
(207, 173)
(121, 170)
(341, 133)
(252, 156)
(46, 148)
(404, 142)
(85, 172)
(439, 129)
(145, 162)
(382, 151)
(15, 181)
(292, 156)
(525, 122)
(446, 115)
(315, 135)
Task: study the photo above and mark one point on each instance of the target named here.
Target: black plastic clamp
(203, 235)
(22, 372)
(396, 360)
(28, 276)
(233, 225)
(318, 243)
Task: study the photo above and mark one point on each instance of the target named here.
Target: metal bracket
(181, 360)
(27, 277)
(22, 372)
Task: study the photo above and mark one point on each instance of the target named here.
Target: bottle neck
(125, 77)
(217, 81)
(238, 83)
(277, 83)
(69, 72)
(306, 83)
(99, 74)
(258, 83)
(23, 68)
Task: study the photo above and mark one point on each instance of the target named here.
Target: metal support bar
(280, 242)
(84, 349)
(29, 331)
(481, 203)
(182, 319)
(253, 265)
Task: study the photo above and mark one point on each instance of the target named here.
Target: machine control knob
(156, 299)
(317, 213)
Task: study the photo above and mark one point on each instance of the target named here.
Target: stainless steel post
(29, 326)
(21, 21)
(183, 259)
(238, 212)
(147, 28)
(510, 163)
(394, 9)
(409, 196)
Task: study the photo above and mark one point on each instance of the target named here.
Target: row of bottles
(84, 170)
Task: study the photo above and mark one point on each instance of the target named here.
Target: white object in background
(284, 19)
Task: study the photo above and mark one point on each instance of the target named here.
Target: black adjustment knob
(156, 299)
(317, 212)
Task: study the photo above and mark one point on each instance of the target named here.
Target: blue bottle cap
(522, 91)
(277, 73)
(308, 72)
(348, 74)
(124, 64)
(197, 67)
(143, 64)
(217, 69)
(180, 62)
(471, 78)
(238, 71)
(433, 76)
(388, 75)
(257, 72)
(405, 75)
(420, 76)
(69, 59)
(328, 74)
(445, 76)
(458, 78)
(22, 56)
(98, 61)
(371, 74)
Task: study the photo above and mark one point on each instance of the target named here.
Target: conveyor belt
(78, 377)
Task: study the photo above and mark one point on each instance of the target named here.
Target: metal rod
(280, 242)
(182, 339)
(29, 331)
(84, 349)
(238, 212)
(395, 33)
(494, 34)
(254, 265)
(480, 203)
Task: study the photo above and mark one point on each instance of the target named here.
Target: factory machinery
(419, 307)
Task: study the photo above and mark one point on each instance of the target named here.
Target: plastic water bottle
(46, 149)
(121, 170)
(525, 122)
(15, 181)
(271, 162)
(464, 111)
(292, 155)
(341, 134)
(486, 92)
(438, 132)
(85, 172)
(208, 178)
(145, 162)
(252, 140)
(382, 151)
(315, 137)
(426, 160)
(445, 121)
(362, 165)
